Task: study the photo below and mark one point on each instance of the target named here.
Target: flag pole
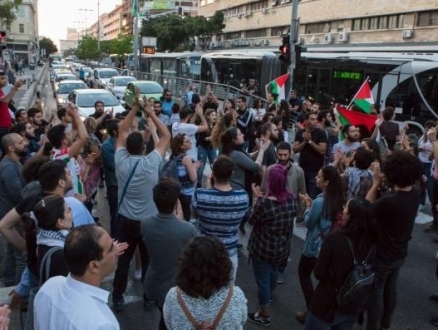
(352, 100)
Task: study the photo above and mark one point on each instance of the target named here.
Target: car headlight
(61, 100)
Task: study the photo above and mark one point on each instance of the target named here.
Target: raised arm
(163, 131)
(82, 138)
(126, 123)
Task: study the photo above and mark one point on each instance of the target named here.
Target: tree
(7, 10)
(87, 48)
(175, 32)
(122, 45)
(48, 45)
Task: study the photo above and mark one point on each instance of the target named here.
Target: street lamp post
(293, 36)
(85, 10)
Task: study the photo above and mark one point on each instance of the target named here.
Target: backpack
(355, 294)
(204, 325)
(170, 168)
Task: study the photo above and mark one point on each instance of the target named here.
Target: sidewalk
(27, 77)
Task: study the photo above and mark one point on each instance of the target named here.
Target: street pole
(293, 40)
(135, 32)
(98, 33)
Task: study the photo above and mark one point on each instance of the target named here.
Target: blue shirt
(166, 107)
(220, 213)
(109, 168)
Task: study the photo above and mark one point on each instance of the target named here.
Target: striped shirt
(220, 213)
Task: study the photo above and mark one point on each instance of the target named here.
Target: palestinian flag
(356, 118)
(364, 98)
(278, 85)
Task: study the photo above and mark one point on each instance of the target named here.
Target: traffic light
(285, 50)
(2, 36)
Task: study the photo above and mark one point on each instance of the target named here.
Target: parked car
(101, 77)
(65, 87)
(86, 98)
(117, 85)
(147, 88)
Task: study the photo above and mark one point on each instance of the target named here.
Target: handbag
(126, 185)
(204, 324)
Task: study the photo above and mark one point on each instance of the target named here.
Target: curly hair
(205, 267)
(227, 141)
(221, 126)
(177, 143)
(403, 169)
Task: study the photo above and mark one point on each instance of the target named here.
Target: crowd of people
(358, 199)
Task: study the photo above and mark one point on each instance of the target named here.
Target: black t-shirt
(389, 130)
(310, 160)
(395, 214)
(270, 156)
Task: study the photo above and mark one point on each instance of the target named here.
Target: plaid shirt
(273, 225)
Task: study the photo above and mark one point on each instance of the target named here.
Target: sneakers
(301, 317)
(258, 318)
(280, 278)
(299, 224)
(118, 304)
(137, 274)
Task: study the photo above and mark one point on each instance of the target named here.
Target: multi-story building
(67, 45)
(329, 24)
(22, 33)
(110, 25)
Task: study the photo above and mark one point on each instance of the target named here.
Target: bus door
(318, 84)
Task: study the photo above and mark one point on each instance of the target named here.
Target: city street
(417, 280)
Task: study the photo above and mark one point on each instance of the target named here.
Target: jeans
(186, 201)
(266, 278)
(203, 154)
(14, 265)
(340, 322)
(129, 232)
(235, 262)
(112, 196)
(429, 183)
(305, 269)
(434, 201)
(384, 297)
(311, 188)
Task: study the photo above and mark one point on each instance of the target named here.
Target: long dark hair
(374, 148)
(227, 141)
(361, 226)
(333, 195)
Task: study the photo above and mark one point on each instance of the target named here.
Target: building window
(365, 24)
(256, 33)
(21, 28)
(428, 18)
(374, 23)
(8, 28)
(315, 28)
(383, 22)
(278, 31)
(356, 25)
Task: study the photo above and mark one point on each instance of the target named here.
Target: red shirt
(5, 116)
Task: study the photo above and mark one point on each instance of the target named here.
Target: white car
(101, 77)
(117, 85)
(86, 98)
(65, 87)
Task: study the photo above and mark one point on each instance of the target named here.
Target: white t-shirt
(189, 130)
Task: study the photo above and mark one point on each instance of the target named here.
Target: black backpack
(355, 294)
(170, 168)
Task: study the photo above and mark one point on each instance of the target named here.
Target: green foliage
(88, 47)
(48, 45)
(7, 10)
(69, 52)
(121, 45)
(175, 33)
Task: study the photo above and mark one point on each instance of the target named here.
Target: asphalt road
(417, 280)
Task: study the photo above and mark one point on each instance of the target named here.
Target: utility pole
(98, 33)
(293, 40)
(135, 32)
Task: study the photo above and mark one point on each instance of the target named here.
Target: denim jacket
(317, 227)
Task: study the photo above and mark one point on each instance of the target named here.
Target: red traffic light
(284, 49)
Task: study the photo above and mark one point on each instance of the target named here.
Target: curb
(28, 97)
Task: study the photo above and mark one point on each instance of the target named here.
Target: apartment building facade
(408, 24)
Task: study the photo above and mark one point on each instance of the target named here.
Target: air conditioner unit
(265, 42)
(219, 44)
(343, 36)
(239, 15)
(314, 39)
(300, 40)
(257, 43)
(248, 13)
(264, 11)
(328, 38)
(406, 34)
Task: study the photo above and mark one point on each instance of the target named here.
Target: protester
(203, 288)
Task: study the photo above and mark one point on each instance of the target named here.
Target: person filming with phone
(5, 116)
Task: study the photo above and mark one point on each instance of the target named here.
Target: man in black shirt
(311, 143)
(395, 214)
(269, 134)
(244, 120)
